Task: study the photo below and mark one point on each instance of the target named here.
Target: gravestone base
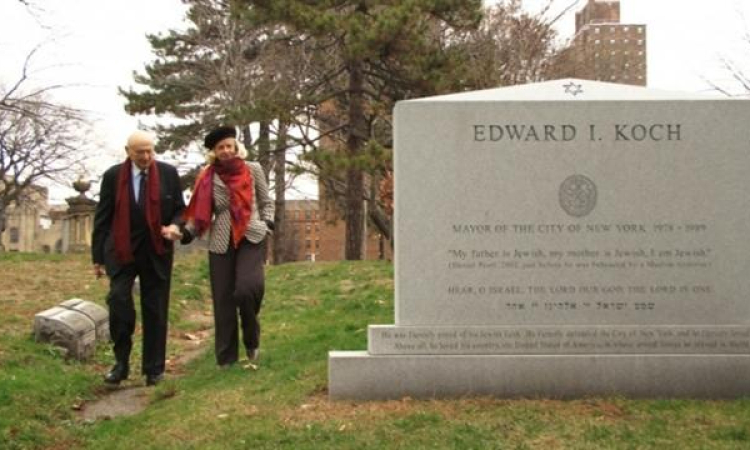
(358, 375)
(558, 339)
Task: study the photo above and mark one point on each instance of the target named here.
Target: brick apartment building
(603, 48)
(313, 233)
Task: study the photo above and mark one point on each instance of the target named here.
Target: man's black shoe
(153, 380)
(118, 373)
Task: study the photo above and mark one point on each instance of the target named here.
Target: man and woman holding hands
(141, 212)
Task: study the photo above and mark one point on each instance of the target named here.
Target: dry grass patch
(488, 411)
(346, 286)
(302, 300)
(31, 286)
(318, 408)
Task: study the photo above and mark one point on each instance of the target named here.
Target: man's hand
(171, 232)
(98, 271)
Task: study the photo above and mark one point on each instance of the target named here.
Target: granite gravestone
(563, 239)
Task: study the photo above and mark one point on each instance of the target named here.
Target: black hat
(217, 135)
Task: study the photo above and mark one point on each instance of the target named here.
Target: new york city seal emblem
(578, 195)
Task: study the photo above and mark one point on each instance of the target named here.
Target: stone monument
(565, 239)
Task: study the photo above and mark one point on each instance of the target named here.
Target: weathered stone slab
(66, 328)
(557, 340)
(98, 314)
(359, 376)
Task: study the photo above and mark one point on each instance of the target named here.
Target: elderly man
(140, 202)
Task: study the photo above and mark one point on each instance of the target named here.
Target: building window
(597, 42)
(640, 41)
(317, 227)
(626, 41)
(308, 215)
(308, 257)
(626, 52)
(317, 244)
(596, 55)
(640, 53)
(611, 29)
(307, 244)
(308, 227)
(640, 29)
(612, 41)
(596, 30)
(14, 235)
(612, 53)
(613, 77)
(626, 29)
(640, 77)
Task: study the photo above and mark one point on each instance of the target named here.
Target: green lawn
(309, 309)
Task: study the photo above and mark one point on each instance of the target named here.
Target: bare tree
(38, 144)
(738, 84)
(19, 98)
(511, 46)
(39, 140)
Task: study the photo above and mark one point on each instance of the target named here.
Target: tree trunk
(279, 172)
(375, 213)
(247, 137)
(264, 147)
(2, 224)
(264, 158)
(354, 177)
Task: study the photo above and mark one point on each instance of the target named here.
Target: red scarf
(121, 219)
(238, 178)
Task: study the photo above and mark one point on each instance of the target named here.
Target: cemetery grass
(309, 309)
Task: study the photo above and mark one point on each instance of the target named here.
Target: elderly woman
(232, 202)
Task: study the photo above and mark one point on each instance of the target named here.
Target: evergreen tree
(369, 53)
(226, 70)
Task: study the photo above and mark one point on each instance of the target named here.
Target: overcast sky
(94, 46)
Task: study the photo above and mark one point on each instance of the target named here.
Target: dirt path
(133, 396)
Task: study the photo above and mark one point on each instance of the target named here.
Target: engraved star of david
(573, 89)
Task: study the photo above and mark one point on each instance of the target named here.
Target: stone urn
(81, 186)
